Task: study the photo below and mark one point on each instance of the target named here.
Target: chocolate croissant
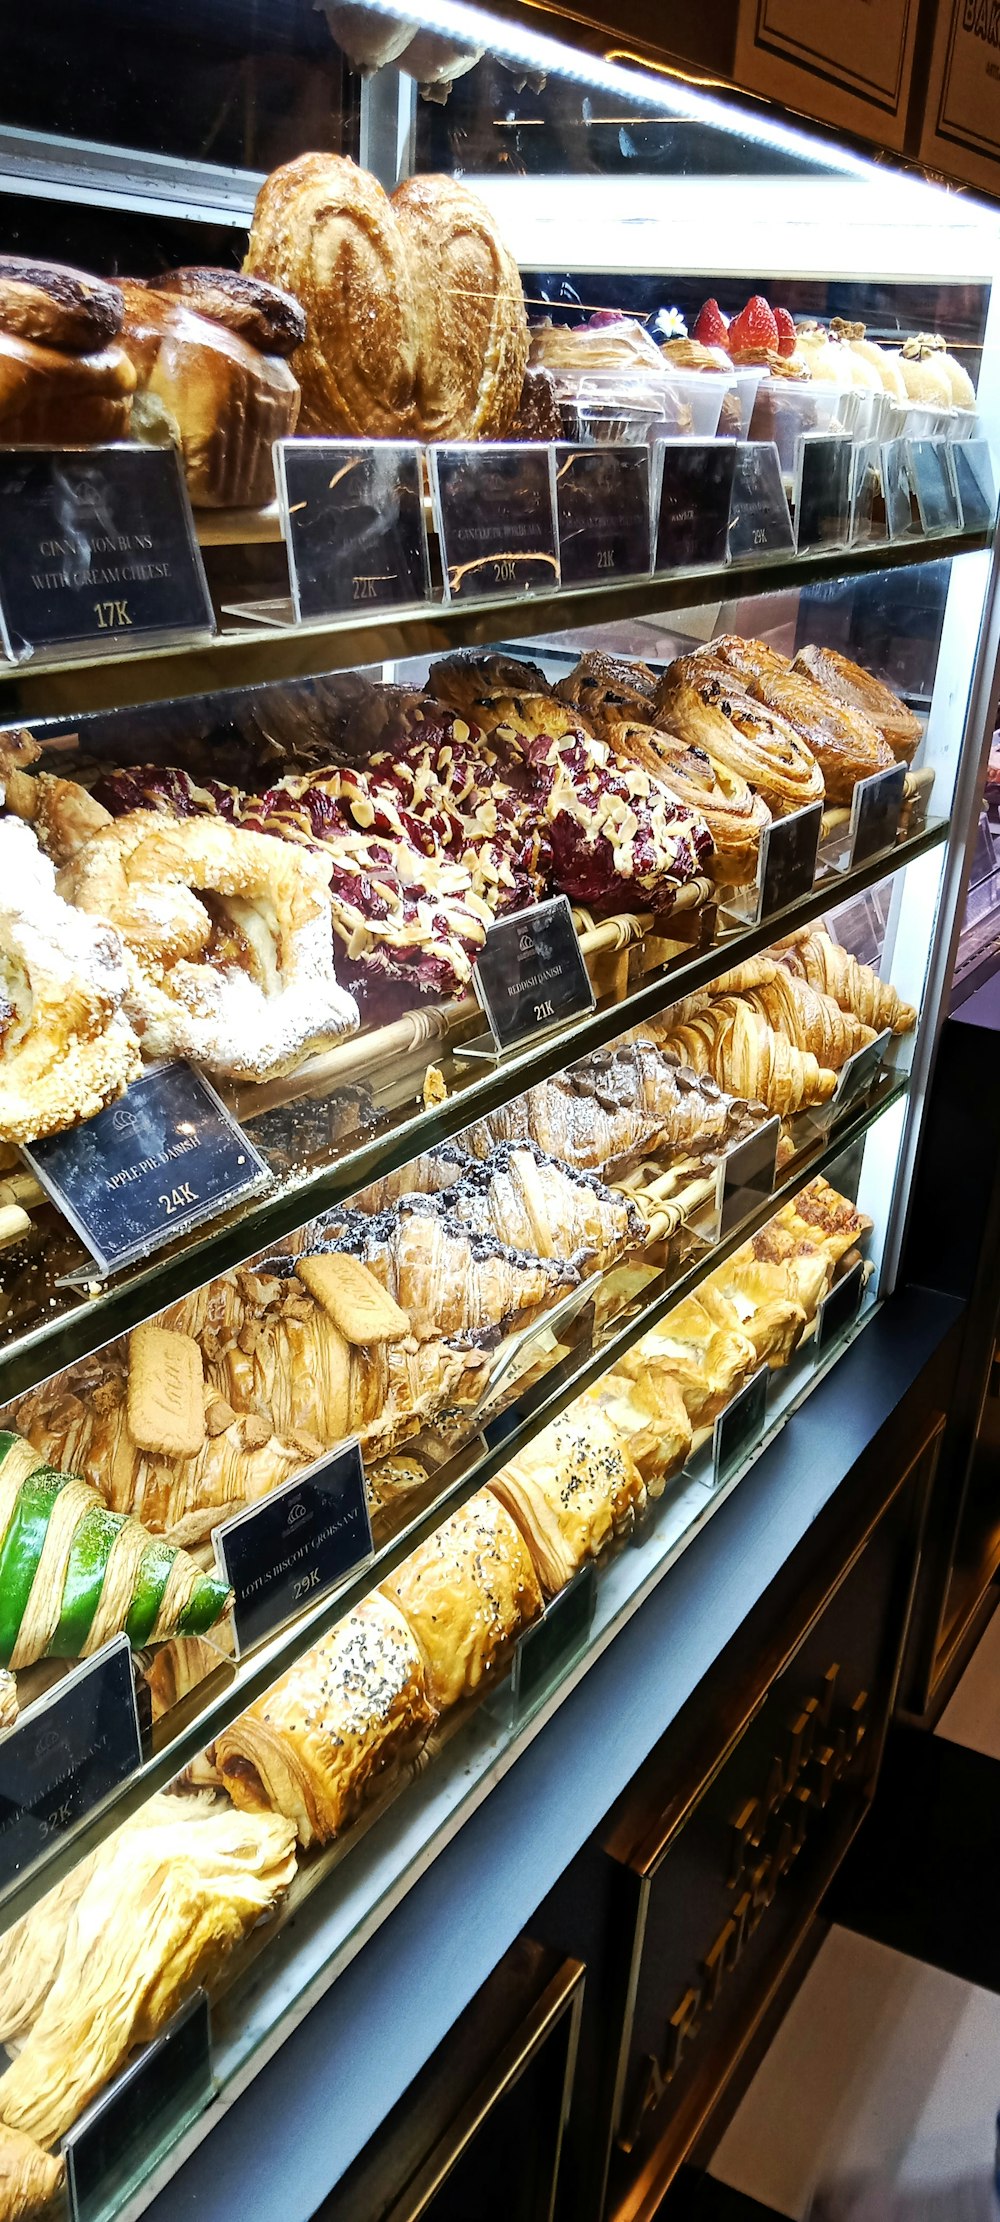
(449, 1278)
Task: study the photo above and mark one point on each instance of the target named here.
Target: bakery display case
(499, 628)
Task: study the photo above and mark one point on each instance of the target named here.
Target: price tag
(902, 515)
(69, 1749)
(496, 518)
(353, 515)
(164, 1157)
(933, 479)
(786, 865)
(140, 2115)
(296, 1545)
(545, 1649)
(973, 470)
(875, 810)
(745, 1176)
(867, 499)
(97, 550)
(836, 1310)
(739, 1428)
(602, 503)
(759, 519)
(694, 482)
(857, 1078)
(530, 974)
(823, 465)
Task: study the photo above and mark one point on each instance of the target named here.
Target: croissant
(72, 1574)
(465, 1595)
(354, 1704)
(735, 1044)
(449, 1278)
(810, 1019)
(705, 1362)
(8, 1700)
(711, 709)
(533, 1203)
(734, 815)
(569, 1491)
(815, 957)
(860, 690)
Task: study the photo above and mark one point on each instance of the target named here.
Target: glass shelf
(233, 1686)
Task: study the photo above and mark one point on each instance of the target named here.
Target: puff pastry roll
(30, 2181)
(353, 1705)
(569, 1491)
(466, 1594)
(650, 1415)
(846, 744)
(773, 1323)
(707, 1362)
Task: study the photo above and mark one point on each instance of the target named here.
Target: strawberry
(787, 334)
(754, 328)
(712, 328)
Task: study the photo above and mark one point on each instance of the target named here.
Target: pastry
(203, 375)
(31, 2181)
(844, 742)
(537, 416)
(349, 1708)
(570, 1491)
(414, 309)
(815, 957)
(66, 1045)
(706, 1362)
(605, 343)
(56, 306)
(735, 1044)
(620, 840)
(465, 1595)
(64, 379)
(73, 1573)
(810, 1019)
(621, 1105)
(606, 688)
(926, 374)
(707, 708)
(650, 1415)
(228, 940)
(446, 1277)
(60, 812)
(163, 1908)
(8, 1700)
(734, 815)
(534, 1203)
(847, 682)
(774, 1324)
(469, 679)
(880, 359)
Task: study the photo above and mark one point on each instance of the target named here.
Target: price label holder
(902, 513)
(97, 551)
(693, 482)
(739, 1429)
(602, 505)
(353, 515)
(760, 522)
(296, 1545)
(837, 1309)
(857, 1077)
(932, 473)
(521, 1351)
(745, 1176)
(974, 479)
(68, 1751)
(868, 522)
(786, 865)
(530, 977)
(140, 2116)
(876, 805)
(545, 1650)
(163, 1158)
(822, 504)
(495, 510)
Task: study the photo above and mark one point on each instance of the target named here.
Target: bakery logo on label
(66, 1753)
(530, 974)
(602, 498)
(97, 547)
(300, 1543)
(496, 519)
(694, 492)
(353, 515)
(164, 1158)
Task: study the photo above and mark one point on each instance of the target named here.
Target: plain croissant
(833, 970)
(743, 1054)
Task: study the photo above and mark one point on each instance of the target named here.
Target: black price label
(695, 493)
(745, 1176)
(354, 524)
(902, 514)
(868, 522)
(602, 503)
(296, 1545)
(759, 519)
(837, 1309)
(530, 974)
(97, 549)
(875, 811)
(739, 1428)
(858, 1076)
(823, 467)
(786, 866)
(496, 517)
(141, 2114)
(164, 1157)
(545, 1650)
(69, 1749)
(932, 474)
(974, 479)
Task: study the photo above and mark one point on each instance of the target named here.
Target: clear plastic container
(783, 410)
(601, 406)
(704, 393)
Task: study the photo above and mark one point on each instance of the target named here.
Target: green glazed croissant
(73, 1573)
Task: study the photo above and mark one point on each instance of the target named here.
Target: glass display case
(500, 629)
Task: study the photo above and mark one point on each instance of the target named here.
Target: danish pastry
(706, 1362)
(466, 1594)
(844, 742)
(860, 690)
(706, 707)
(734, 815)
